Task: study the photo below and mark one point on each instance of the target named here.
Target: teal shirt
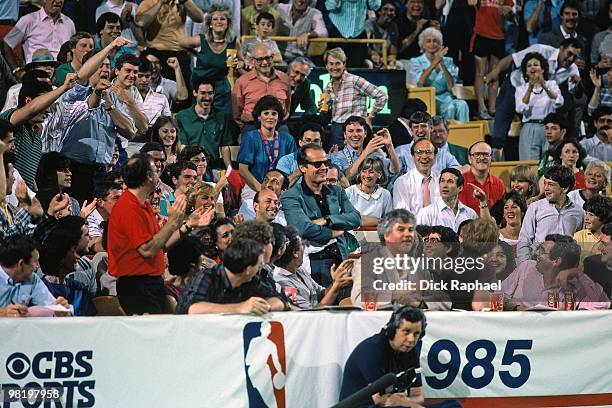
(28, 149)
(211, 134)
(61, 72)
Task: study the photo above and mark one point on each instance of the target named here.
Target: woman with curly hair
(203, 194)
(165, 132)
(534, 100)
(571, 154)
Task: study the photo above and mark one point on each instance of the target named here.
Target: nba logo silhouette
(264, 364)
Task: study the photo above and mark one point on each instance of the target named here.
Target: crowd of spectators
(149, 153)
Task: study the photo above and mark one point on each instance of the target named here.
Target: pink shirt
(525, 286)
(37, 30)
(249, 89)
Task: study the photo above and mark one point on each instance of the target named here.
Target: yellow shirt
(162, 34)
(587, 241)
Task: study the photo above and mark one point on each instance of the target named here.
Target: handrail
(326, 40)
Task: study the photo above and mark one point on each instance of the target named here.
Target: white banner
(296, 359)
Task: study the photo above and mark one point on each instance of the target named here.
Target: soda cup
(291, 294)
(231, 57)
(324, 102)
(568, 300)
(391, 62)
(370, 303)
(553, 300)
(497, 301)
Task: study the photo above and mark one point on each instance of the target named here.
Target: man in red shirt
(480, 157)
(136, 242)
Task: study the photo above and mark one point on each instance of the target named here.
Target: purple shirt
(37, 30)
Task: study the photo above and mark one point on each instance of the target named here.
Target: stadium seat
(427, 94)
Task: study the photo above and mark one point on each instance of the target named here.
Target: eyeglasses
(423, 152)
(262, 59)
(318, 164)
(481, 155)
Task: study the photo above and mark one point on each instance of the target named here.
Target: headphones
(409, 313)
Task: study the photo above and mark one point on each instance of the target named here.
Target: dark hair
(448, 237)
(202, 81)
(420, 117)
(107, 18)
(136, 170)
(557, 119)
(573, 141)
(152, 147)
(219, 222)
(302, 156)
(62, 54)
(566, 249)
(35, 74)
(189, 151)
(601, 111)
(265, 16)
(258, 230)
(5, 128)
(242, 253)
(32, 89)
(570, 4)
(48, 166)
(411, 106)
(285, 184)
(144, 65)
(15, 248)
(184, 256)
(572, 42)
(352, 120)
(127, 59)
(175, 169)
(161, 122)
(90, 54)
(278, 232)
(607, 229)
(268, 102)
(540, 58)
(9, 158)
(62, 238)
(102, 190)
(601, 206)
(510, 260)
(310, 127)
(384, 3)
(562, 175)
(293, 245)
(456, 173)
(518, 199)
(112, 176)
(412, 148)
(410, 314)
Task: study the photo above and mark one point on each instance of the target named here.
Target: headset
(409, 313)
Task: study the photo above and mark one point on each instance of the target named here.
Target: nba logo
(264, 364)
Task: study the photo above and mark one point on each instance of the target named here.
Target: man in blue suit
(320, 212)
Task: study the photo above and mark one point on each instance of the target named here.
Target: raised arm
(145, 16)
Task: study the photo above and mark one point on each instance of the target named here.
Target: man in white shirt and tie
(418, 188)
(447, 210)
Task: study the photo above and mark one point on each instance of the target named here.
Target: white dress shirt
(439, 213)
(154, 105)
(376, 204)
(407, 190)
(540, 104)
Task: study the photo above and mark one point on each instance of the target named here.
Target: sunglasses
(262, 59)
(318, 164)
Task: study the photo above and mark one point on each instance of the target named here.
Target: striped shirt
(349, 17)
(28, 149)
(352, 97)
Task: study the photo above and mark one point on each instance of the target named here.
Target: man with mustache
(599, 146)
(479, 156)
(298, 19)
(33, 31)
(562, 70)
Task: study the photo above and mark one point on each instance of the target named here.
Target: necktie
(425, 190)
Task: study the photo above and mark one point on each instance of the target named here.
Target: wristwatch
(483, 205)
(328, 222)
(110, 108)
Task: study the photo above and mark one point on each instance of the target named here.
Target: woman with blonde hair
(218, 50)
(367, 195)
(202, 194)
(523, 180)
